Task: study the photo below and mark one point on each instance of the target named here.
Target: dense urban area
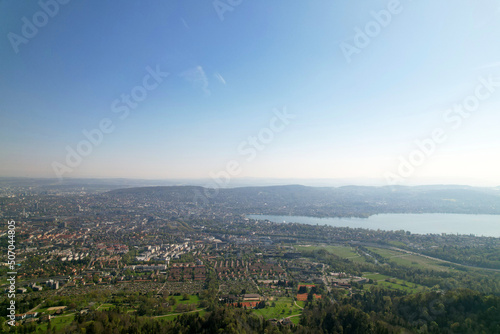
(98, 259)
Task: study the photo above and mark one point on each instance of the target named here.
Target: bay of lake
(425, 223)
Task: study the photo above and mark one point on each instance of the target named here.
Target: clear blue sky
(354, 115)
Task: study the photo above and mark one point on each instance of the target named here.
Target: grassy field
(393, 284)
(341, 251)
(419, 262)
(387, 253)
(57, 322)
(397, 243)
(358, 259)
(170, 317)
(301, 303)
(399, 285)
(281, 310)
(375, 276)
(105, 307)
(192, 299)
(345, 252)
(409, 260)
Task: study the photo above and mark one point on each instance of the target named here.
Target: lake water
(436, 223)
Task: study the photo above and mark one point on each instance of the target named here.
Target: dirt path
(36, 307)
(171, 314)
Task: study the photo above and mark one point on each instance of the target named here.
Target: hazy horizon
(248, 182)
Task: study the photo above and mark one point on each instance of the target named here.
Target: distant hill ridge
(358, 201)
